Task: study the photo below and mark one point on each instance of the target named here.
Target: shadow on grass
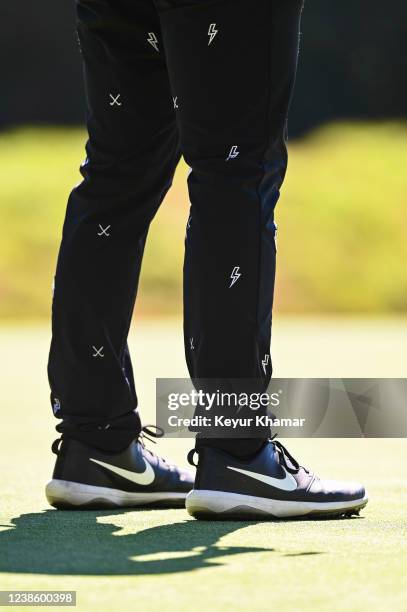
(58, 542)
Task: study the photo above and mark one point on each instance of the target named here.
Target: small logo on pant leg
(232, 153)
(115, 100)
(175, 100)
(191, 342)
(235, 275)
(188, 226)
(98, 352)
(265, 362)
(56, 405)
(153, 40)
(212, 32)
(104, 230)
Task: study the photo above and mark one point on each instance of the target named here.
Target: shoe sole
(63, 494)
(212, 505)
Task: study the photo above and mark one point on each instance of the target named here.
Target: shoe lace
(286, 459)
(148, 432)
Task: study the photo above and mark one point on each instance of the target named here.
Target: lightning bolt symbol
(212, 32)
(265, 362)
(233, 153)
(235, 276)
(153, 41)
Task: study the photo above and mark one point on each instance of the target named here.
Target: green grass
(342, 223)
(159, 559)
(163, 558)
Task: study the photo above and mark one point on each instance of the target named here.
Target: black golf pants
(211, 80)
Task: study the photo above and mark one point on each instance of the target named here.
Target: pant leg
(132, 152)
(232, 66)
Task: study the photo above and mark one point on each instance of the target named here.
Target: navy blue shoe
(85, 477)
(270, 485)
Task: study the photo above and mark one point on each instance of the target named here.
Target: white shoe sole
(66, 494)
(203, 504)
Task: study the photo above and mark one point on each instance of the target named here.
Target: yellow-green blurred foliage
(342, 221)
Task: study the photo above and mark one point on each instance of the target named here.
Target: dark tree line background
(353, 63)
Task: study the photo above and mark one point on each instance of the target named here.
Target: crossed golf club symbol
(104, 230)
(115, 100)
(98, 352)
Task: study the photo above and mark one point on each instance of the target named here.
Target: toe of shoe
(347, 489)
(337, 490)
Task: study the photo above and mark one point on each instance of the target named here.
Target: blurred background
(342, 216)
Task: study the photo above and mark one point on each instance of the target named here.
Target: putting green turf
(161, 558)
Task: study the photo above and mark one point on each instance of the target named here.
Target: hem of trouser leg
(111, 437)
(107, 444)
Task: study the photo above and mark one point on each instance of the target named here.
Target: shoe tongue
(276, 455)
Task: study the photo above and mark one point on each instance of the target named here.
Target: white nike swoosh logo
(141, 478)
(288, 483)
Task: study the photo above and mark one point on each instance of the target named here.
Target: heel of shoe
(63, 494)
(200, 504)
(67, 495)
